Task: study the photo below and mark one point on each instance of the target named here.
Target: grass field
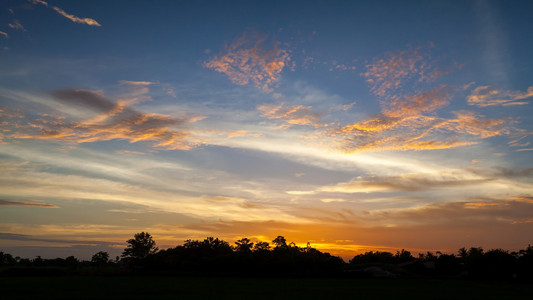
(254, 288)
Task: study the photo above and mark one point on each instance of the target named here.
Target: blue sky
(353, 125)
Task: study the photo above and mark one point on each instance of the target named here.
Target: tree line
(213, 256)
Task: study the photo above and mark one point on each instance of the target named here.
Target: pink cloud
(247, 59)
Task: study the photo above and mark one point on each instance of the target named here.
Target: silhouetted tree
(280, 242)
(244, 245)
(100, 259)
(498, 263)
(38, 261)
(140, 247)
(373, 257)
(6, 259)
(403, 256)
(261, 246)
(447, 265)
(72, 261)
(525, 262)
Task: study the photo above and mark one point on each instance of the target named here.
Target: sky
(352, 125)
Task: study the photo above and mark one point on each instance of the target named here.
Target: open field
(145, 287)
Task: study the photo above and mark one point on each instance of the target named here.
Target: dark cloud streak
(4, 202)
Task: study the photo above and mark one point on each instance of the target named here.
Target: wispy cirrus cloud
(73, 18)
(291, 115)
(412, 182)
(484, 96)
(140, 83)
(4, 34)
(247, 59)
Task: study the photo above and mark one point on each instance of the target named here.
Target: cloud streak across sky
(73, 18)
(110, 121)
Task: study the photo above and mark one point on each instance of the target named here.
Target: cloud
(231, 201)
(31, 238)
(39, 2)
(112, 121)
(484, 96)
(4, 34)
(5, 202)
(493, 211)
(129, 152)
(341, 67)
(84, 99)
(401, 183)
(443, 226)
(17, 26)
(292, 115)
(388, 75)
(425, 102)
(247, 59)
(409, 120)
(505, 173)
(171, 92)
(470, 124)
(141, 83)
(73, 18)
(329, 200)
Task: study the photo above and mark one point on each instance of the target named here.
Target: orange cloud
(484, 204)
(484, 96)
(247, 59)
(409, 122)
(468, 123)
(292, 115)
(420, 103)
(387, 75)
(73, 18)
(112, 121)
(4, 34)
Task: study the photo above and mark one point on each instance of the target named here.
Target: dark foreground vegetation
(203, 269)
(213, 256)
(216, 287)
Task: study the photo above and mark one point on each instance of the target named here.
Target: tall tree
(280, 242)
(244, 245)
(100, 259)
(140, 246)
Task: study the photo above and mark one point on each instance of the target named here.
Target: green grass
(130, 287)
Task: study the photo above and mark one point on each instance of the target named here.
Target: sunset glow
(352, 125)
